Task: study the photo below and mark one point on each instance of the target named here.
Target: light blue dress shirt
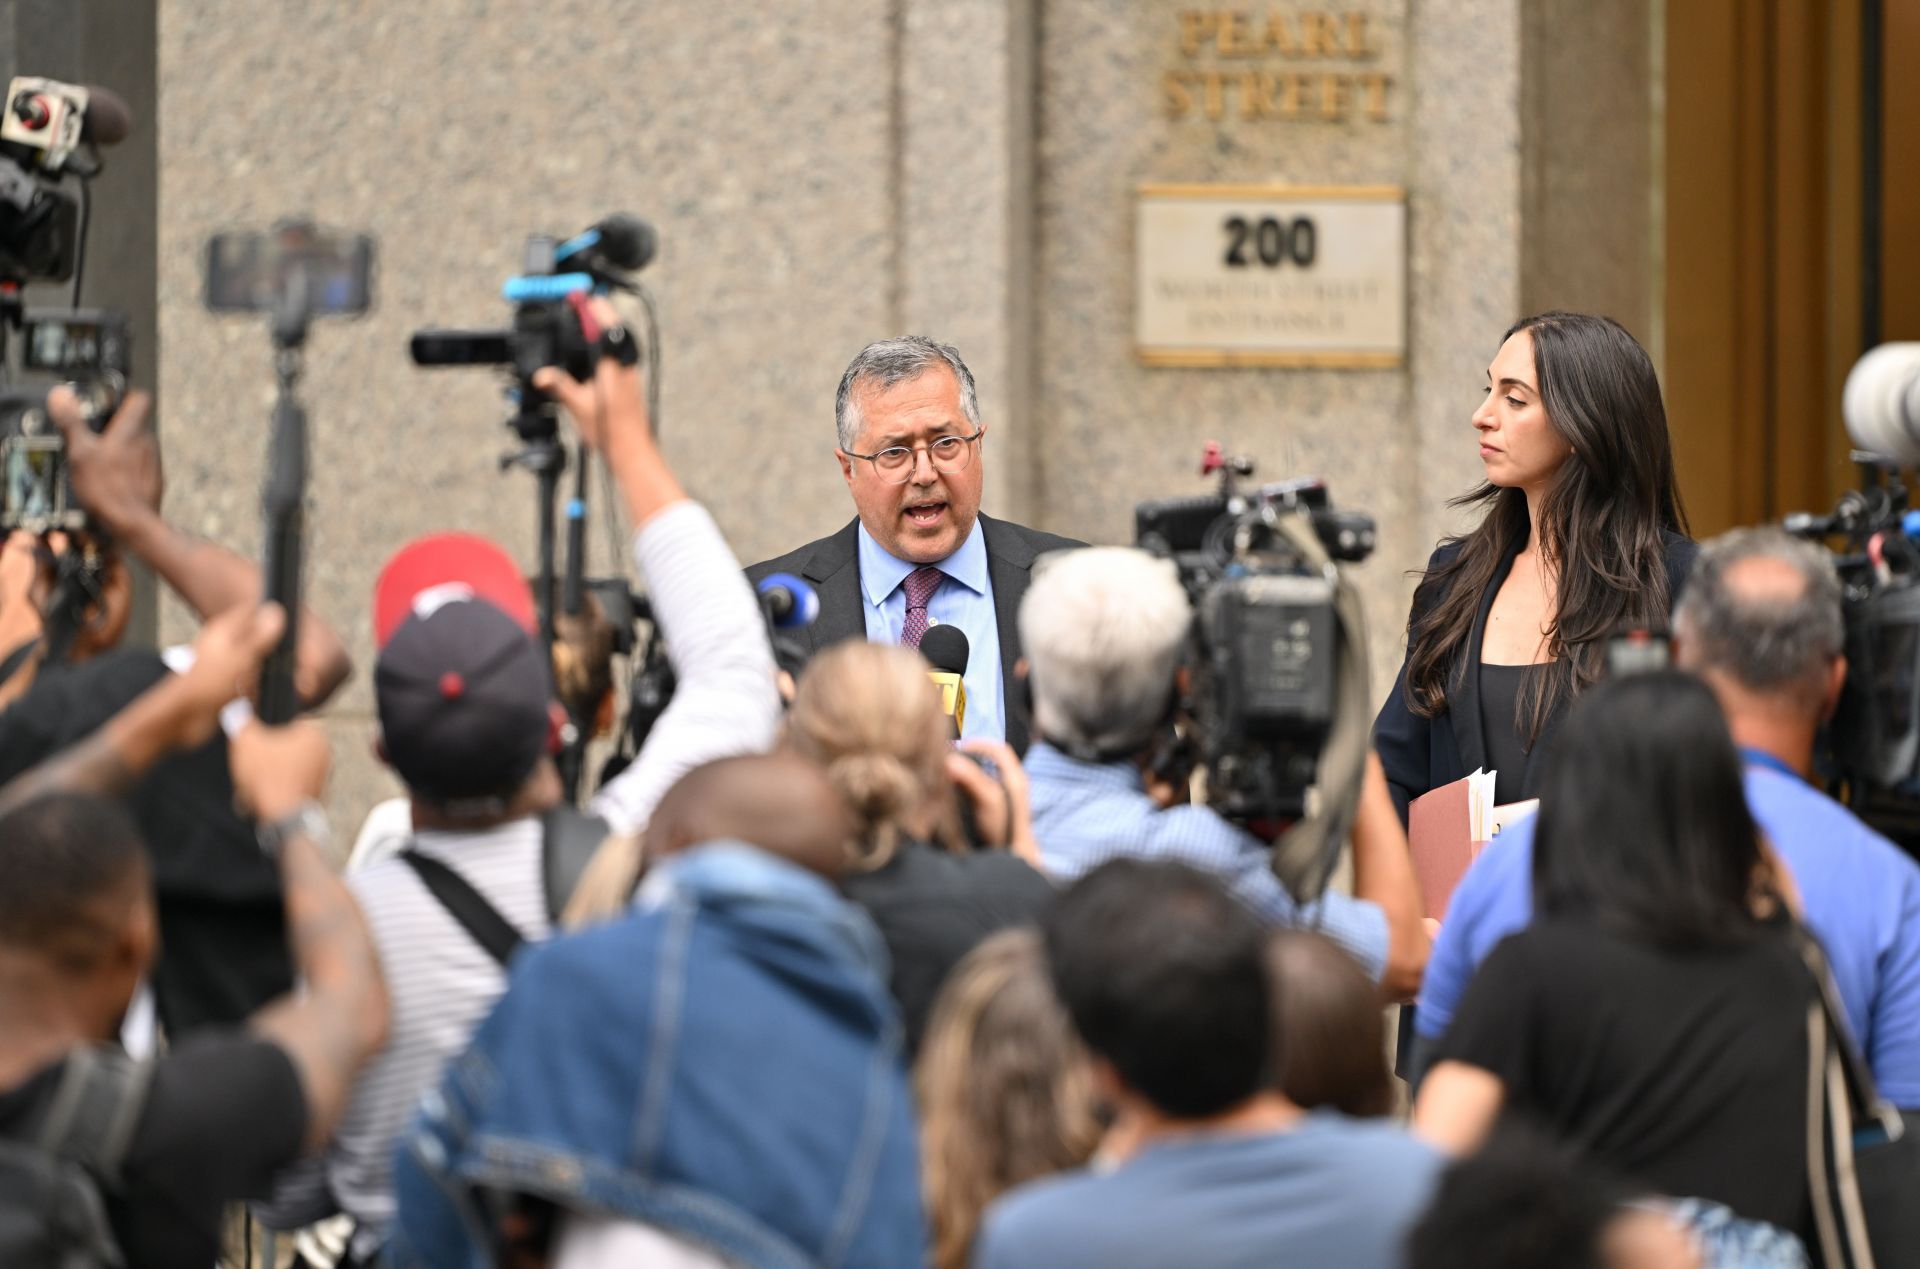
(1085, 813)
(965, 600)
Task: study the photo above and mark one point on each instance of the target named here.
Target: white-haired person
(1105, 635)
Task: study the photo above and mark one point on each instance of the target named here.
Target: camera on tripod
(49, 138)
(553, 326)
(1872, 745)
(1276, 638)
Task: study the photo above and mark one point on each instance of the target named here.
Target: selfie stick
(283, 499)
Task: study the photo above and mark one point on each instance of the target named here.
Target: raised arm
(179, 712)
(117, 477)
(1383, 874)
(725, 701)
(337, 1018)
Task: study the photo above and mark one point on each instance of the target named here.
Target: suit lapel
(1009, 568)
(834, 570)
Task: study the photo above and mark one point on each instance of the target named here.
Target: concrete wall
(1590, 120)
(822, 174)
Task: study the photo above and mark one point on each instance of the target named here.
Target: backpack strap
(569, 839)
(480, 919)
(95, 1110)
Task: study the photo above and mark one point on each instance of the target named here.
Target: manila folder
(1440, 834)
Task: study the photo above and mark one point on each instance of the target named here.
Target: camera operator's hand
(22, 584)
(226, 666)
(116, 473)
(610, 410)
(276, 770)
(1002, 807)
(23, 588)
(611, 415)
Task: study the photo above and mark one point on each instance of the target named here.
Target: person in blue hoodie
(713, 1079)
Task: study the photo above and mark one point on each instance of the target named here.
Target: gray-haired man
(919, 553)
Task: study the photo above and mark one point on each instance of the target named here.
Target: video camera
(1277, 700)
(49, 138)
(1872, 747)
(546, 329)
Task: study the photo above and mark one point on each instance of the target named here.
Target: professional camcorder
(546, 328)
(49, 138)
(1277, 699)
(1872, 747)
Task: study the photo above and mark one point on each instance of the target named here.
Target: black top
(1421, 754)
(223, 940)
(1686, 1071)
(223, 1114)
(1507, 745)
(832, 565)
(933, 907)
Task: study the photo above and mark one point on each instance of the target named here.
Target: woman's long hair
(1644, 827)
(1602, 522)
(869, 715)
(1006, 1090)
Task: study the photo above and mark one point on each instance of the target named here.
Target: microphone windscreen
(627, 242)
(108, 120)
(788, 601)
(945, 648)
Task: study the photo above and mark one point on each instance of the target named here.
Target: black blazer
(1419, 753)
(832, 564)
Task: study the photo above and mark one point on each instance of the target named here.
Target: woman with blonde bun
(870, 716)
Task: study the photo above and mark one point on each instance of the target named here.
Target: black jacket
(832, 564)
(1421, 754)
(932, 907)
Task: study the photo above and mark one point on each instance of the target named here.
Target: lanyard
(1761, 758)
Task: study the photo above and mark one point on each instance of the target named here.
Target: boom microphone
(621, 241)
(108, 120)
(945, 648)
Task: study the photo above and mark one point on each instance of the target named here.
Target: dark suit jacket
(832, 564)
(1421, 754)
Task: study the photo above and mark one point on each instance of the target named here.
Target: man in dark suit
(919, 553)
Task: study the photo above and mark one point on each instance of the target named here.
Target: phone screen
(36, 489)
(246, 272)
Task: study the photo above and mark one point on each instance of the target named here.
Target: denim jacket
(722, 1063)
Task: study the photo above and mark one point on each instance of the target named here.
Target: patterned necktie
(920, 585)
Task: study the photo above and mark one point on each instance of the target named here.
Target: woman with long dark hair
(1655, 1011)
(1582, 534)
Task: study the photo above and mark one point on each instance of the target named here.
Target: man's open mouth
(925, 513)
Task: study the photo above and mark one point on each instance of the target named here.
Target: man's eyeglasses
(896, 462)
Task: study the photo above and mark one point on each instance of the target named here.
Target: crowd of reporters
(828, 993)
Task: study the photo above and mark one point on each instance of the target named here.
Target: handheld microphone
(945, 648)
(788, 602)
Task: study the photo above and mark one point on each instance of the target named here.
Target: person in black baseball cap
(467, 722)
(464, 695)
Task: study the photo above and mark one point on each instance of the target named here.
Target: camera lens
(1882, 402)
